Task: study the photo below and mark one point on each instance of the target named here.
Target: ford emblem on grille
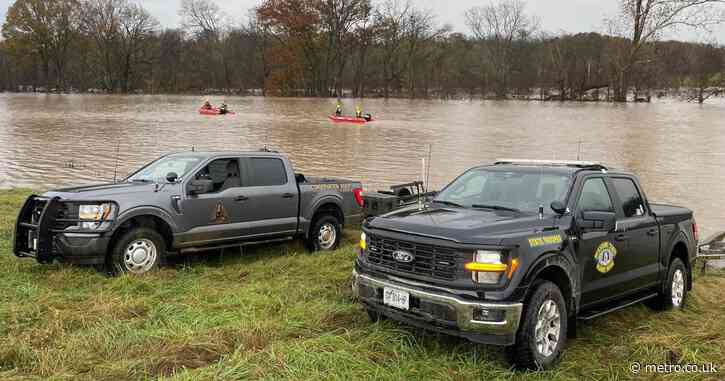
(403, 256)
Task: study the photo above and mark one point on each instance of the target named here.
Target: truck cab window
(632, 201)
(224, 174)
(159, 169)
(595, 197)
(522, 190)
(267, 172)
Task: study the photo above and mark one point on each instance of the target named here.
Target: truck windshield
(157, 170)
(516, 190)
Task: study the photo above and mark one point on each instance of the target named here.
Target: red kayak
(349, 119)
(213, 111)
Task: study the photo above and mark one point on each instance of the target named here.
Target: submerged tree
(100, 21)
(498, 26)
(707, 64)
(642, 22)
(137, 29)
(122, 33)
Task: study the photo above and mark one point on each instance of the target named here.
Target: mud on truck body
(515, 253)
(182, 203)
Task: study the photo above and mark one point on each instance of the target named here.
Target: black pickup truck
(515, 253)
(186, 202)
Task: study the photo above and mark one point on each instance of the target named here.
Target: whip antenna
(427, 175)
(579, 150)
(115, 166)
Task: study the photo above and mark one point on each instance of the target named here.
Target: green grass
(278, 312)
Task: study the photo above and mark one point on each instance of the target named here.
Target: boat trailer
(713, 248)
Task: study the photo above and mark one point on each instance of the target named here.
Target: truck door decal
(220, 214)
(331, 187)
(605, 254)
(545, 240)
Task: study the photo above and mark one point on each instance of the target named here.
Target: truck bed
(671, 213)
(308, 180)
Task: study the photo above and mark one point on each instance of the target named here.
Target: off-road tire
(315, 241)
(524, 354)
(374, 316)
(664, 301)
(143, 237)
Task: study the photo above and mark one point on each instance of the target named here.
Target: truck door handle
(652, 232)
(288, 195)
(241, 198)
(621, 238)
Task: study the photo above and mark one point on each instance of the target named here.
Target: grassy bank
(279, 312)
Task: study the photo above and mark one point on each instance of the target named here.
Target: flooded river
(677, 148)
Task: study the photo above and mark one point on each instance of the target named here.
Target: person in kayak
(338, 110)
(223, 108)
(206, 106)
(358, 112)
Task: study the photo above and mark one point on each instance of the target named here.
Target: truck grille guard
(40, 219)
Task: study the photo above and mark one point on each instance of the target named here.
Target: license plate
(396, 298)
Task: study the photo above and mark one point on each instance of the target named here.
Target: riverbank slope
(279, 312)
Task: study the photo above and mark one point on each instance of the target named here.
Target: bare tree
(135, 32)
(420, 32)
(644, 21)
(706, 63)
(498, 26)
(339, 18)
(391, 21)
(209, 25)
(364, 42)
(202, 17)
(101, 22)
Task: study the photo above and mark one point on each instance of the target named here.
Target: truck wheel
(138, 251)
(374, 316)
(674, 290)
(542, 335)
(325, 233)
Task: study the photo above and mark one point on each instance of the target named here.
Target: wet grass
(278, 312)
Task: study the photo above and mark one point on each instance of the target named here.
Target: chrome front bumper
(507, 325)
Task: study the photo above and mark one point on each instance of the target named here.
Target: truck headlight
(487, 267)
(93, 212)
(363, 242)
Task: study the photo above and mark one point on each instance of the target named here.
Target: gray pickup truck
(186, 202)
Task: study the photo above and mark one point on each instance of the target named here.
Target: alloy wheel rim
(327, 236)
(678, 288)
(140, 256)
(548, 328)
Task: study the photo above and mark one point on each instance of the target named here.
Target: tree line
(387, 48)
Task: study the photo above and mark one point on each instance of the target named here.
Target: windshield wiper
(495, 207)
(141, 181)
(449, 203)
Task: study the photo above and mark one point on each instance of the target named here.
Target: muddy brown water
(677, 148)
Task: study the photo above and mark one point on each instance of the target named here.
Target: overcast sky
(555, 15)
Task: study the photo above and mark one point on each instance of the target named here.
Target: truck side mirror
(596, 220)
(558, 207)
(172, 177)
(201, 186)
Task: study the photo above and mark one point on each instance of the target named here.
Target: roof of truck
(225, 153)
(552, 166)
